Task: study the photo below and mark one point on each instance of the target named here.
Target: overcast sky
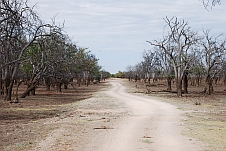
(116, 31)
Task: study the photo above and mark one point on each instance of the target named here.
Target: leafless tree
(166, 67)
(210, 3)
(213, 54)
(129, 72)
(139, 72)
(224, 72)
(177, 44)
(150, 64)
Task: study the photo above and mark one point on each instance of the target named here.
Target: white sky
(116, 31)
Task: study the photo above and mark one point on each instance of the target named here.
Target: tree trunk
(27, 92)
(88, 82)
(215, 80)
(136, 78)
(28, 86)
(65, 86)
(47, 83)
(224, 83)
(197, 81)
(185, 82)
(59, 84)
(6, 83)
(179, 86)
(10, 89)
(1, 87)
(209, 85)
(79, 82)
(149, 80)
(17, 88)
(224, 80)
(33, 91)
(169, 84)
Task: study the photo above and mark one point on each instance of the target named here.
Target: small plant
(147, 141)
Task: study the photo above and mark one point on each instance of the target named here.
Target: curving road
(151, 125)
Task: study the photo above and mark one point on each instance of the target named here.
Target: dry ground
(22, 124)
(77, 117)
(204, 115)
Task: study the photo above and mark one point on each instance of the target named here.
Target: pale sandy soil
(114, 120)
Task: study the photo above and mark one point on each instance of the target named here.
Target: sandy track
(152, 125)
(131, 123)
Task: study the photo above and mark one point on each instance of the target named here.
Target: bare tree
(129, 72)
(213, 52)
(166, 67)
(139, 72)
(210, 3)
(224, 72)
(176, 44)
(150, 64)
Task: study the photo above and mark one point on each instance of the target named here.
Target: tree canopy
(31, 50)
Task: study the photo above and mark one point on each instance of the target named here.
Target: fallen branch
(102, 127)
(147, 137)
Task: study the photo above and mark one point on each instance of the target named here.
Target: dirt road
(151, 125)
(115, 120)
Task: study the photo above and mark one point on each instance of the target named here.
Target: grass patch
(210, 132)
(20, 146)
(147, 141)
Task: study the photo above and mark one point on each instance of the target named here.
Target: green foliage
(184, 58)
(27, 67)
(30, 55)
(56, 56)
(120, 74)
(171, 76)
(112, 75)
(197, 70)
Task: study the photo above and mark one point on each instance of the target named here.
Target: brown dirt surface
(114, 115)
(23, 123)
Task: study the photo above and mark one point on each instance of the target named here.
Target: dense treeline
(182, 55)
(35, 52)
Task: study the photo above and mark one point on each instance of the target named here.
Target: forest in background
(33, 52)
